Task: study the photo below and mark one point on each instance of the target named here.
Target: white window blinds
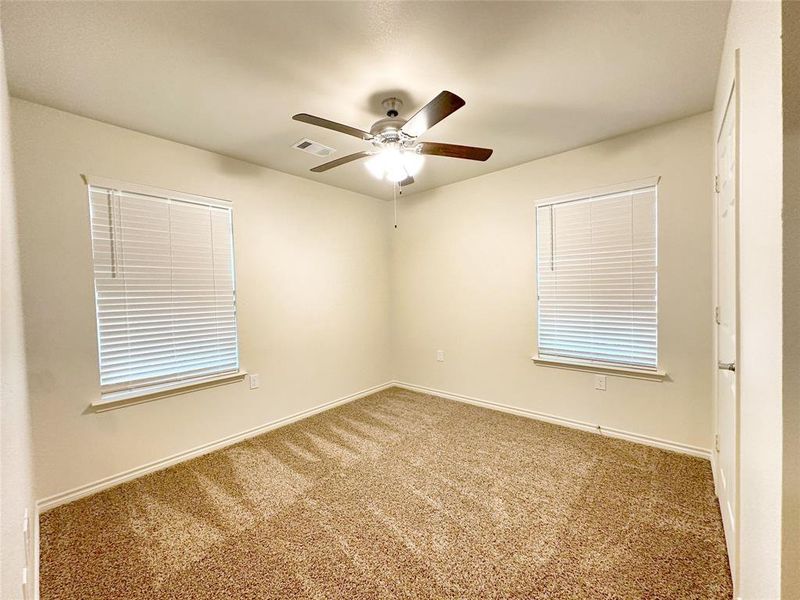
(597, 278)
(164, 288)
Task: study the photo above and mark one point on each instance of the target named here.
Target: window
(597, 277)
(164, 289)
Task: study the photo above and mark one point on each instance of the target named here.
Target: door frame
(733, 94)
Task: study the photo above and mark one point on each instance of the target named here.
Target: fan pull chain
(394, 189)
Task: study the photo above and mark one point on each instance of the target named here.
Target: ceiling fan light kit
(397, 154)
(395, 164)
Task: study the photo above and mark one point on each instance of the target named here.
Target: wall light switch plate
(255, 381)
(600, 382)
(440, 355)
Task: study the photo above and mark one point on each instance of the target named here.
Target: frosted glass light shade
(375, 166)
(395, 165)
(412, 162)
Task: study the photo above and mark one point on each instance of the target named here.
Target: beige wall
(313, 266)
(464, 282)
(791, 300)
(16, 493)
(754, 28)
(313, 292)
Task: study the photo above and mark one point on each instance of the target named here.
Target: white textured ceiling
(538, 77)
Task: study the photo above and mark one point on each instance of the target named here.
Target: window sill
(122, 398)
(578, 365)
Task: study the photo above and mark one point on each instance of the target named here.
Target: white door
(727, 405)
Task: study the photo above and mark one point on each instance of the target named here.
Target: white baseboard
(572, 423)
(51, 502)
(714, 472)
(35, 575)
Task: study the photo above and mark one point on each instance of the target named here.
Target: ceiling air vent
(314, 148)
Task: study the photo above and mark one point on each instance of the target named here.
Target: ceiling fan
(396, 154)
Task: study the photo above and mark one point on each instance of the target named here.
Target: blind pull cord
(394, 189)
(552, 238)
(111, 234)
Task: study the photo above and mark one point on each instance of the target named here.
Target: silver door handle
(727, 366)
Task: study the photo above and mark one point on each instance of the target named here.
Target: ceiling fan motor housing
(388, 128)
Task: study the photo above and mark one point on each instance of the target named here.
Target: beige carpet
(400, 495)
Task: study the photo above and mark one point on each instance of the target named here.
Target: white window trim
(623, 370)
(627, 186)
(598, 367)
(129, 396)
(153, 392)
(147, 190)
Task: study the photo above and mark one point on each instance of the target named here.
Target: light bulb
(393, 164)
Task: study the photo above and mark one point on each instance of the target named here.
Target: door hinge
(716, 442)
(716, 315)
(716, 183)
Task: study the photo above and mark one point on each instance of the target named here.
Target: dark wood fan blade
(455, 151)
(407, 181)
(320, 122)
(434, 111)
(340, 161)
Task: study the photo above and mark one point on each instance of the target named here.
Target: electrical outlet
(600, 382)
(440, 355)
(255, 381)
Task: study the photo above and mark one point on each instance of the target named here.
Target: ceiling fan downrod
(392, 106)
